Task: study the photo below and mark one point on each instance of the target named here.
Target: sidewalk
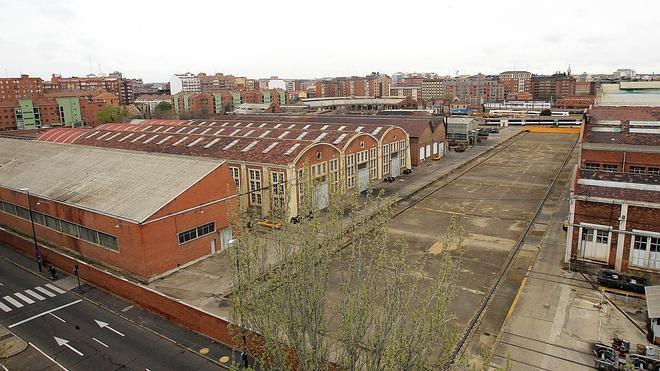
(205, 284)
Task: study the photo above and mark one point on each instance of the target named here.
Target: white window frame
(647, 255)
(255, 186)
(596, 228)
(236, 175)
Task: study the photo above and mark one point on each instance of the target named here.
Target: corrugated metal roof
(124, 184)
(653, 301)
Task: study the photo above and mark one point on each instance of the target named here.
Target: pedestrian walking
(39, 263)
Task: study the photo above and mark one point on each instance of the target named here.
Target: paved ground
(493, 202)
(557, 314)
(39, 310)
(207, 282)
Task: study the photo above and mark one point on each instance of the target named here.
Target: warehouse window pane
(89, 235)
(38, 218)
(53, 223)
(22, 212)
(9, 208)
(108, 241)
(69, 228)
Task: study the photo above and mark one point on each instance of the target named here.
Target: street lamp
(34, 233)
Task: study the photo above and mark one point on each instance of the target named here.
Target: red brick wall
(309, 157)
(617, 158)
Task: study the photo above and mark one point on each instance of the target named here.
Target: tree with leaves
(163, 110)
(111, 114)
(336, 288)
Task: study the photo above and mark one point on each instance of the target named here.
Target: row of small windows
(614, 168)
(63, 226)
(197, 232)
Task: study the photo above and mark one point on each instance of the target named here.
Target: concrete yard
(492, 201)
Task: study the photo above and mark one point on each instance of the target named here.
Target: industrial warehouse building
(266, 158)
(427, 134)
(615, 198)
(137, 213)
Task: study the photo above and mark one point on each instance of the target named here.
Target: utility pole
(76, 271)
(37, 253)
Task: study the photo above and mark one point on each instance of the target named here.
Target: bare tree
(385, 313)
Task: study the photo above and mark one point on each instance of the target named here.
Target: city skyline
(290, 41)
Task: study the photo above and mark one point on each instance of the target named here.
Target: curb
(10, 343)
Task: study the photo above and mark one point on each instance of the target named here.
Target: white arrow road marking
(65, 342)
(105, 325)
(34, 294)
(44, 291)
(55, 288)
(24, 298)
(99, 341)
(13, 301)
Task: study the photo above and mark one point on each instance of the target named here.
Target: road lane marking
(4, 307)
(13, 301)
(127, 308)
(47, 356)
(43, 314)
(100, 342)
(65, 342)
(24, 298)
(44, 291)
(57, 317)
(34, 295)
(55, 288)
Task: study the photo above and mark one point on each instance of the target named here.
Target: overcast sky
(315, 38)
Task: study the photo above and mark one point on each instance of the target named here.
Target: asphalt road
(75, 334)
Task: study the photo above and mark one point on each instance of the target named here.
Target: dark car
(493, 130)
(620, 281)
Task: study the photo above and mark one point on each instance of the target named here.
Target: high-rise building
(21, 87)
(475, 90)
(432, 88)
(553, 87)
(115, 84)
(185, 82)
(516, 82)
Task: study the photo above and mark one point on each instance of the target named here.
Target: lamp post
(37, 253)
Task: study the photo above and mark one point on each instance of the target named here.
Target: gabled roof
(123, 184)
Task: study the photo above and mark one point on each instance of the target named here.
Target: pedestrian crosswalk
(30, 296)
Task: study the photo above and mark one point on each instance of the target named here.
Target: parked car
(616, 280)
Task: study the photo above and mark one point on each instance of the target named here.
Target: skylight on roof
(249, 146)
(248, 133)
(150, 139)
(321, 136)
(103, 135)
(237, 124)
(284, 134)
(92, 134)
(195, 141)
(233, 143)
(234, 132)
(225, 124)
(263, 135)
(202, 123)
(157, 128)
(181, 129)
(168, 129)
(270, 146)
(219, 131)
(205, 131)
(342, 127)
(112, 136)
(164, 139)
(262, 125)
(146, 128)
(306, 126)
(302, 135)
(377, 130)
(126, 137)
(213, 123)
(324, 127)
(359, 128)
(179, 141)
(249, 124)
(277, 126)
(340, 138)
(291, 126)
(192, 130)
(290, 150)
(214, 141)
(138, 138)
